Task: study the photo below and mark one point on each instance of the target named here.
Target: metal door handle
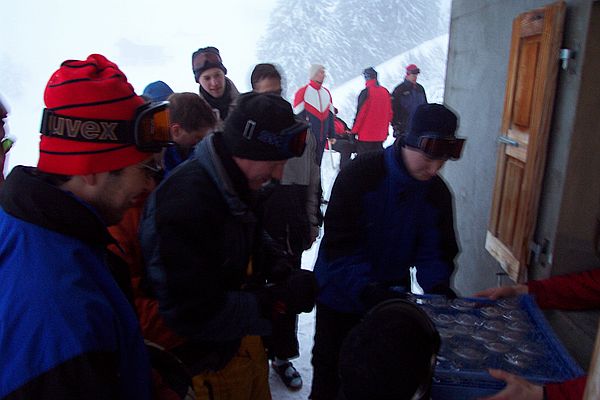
(508, 141)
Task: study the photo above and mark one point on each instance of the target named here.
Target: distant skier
(406, 97)
(313, 102)
(373, 114)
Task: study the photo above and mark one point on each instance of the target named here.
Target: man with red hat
(406, 97)
(68, 329)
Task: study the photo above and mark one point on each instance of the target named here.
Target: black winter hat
(207, 58)
(390, 354)
(254, 115)
(431, 119)
(370, 73)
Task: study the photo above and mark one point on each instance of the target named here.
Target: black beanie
(388, 354)
(370, 73)
(253, 114)
(431, 119)
(209, 57)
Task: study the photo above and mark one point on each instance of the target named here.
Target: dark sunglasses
(414, 72)
(289, 142)
(149, 131)
(153, 170)
(441, 148)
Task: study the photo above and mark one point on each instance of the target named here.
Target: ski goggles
(204, 59)
(149, 131)
(440, 148)
(289, 142)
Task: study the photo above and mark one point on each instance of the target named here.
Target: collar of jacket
(371, 83)
(222, 103)
(28, 197)
(315, 84)
(225, 174)
(410, 83)
(394, 155)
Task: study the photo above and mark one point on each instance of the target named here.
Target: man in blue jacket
(67, 329)
(406, 97)
(389, 211)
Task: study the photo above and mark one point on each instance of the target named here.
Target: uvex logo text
(90, 130)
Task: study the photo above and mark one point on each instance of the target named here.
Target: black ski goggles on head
(289, 142)
(149, 131)
(440, 148)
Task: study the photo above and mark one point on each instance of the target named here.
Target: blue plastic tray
(524, 344)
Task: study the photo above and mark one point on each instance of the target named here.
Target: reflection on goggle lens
(151, 129)
(202, 59)
(441, 148)
(290, 142)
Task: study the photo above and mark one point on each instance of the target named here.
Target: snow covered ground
(306, 322)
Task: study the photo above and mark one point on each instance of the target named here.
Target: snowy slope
(430, 56)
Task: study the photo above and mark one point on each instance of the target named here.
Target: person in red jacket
(373, 114)
(576, 291)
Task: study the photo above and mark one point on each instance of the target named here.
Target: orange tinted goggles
(148, 132)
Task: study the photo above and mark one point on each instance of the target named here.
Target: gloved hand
(375, 293)
(293, 295)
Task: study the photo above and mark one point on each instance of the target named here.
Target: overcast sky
(150, 40)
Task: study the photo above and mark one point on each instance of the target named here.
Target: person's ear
(176, 132)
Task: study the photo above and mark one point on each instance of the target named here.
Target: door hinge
(539, 253)
(565, 55)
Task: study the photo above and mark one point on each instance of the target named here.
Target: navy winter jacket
(380, 222)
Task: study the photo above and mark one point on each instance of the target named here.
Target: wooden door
(528, 105)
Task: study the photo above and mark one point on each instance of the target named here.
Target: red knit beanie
(93, 89)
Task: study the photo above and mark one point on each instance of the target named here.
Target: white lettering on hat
(89, 130)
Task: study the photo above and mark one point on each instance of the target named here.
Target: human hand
(516, 388)
(502, 292)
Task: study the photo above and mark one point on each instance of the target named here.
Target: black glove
(294, 295)
(375, 293)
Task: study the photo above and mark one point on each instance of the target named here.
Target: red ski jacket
(373, 114)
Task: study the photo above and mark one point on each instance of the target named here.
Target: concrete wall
(580, 206)
(480, 33)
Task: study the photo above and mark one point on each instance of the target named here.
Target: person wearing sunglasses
(209, 263)
(218, 90)
(388, 211)
(406, 97)
(68, 327)
(291, 216)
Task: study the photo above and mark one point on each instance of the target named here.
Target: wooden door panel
(510, 201)
(528, 106)
(525, 80)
